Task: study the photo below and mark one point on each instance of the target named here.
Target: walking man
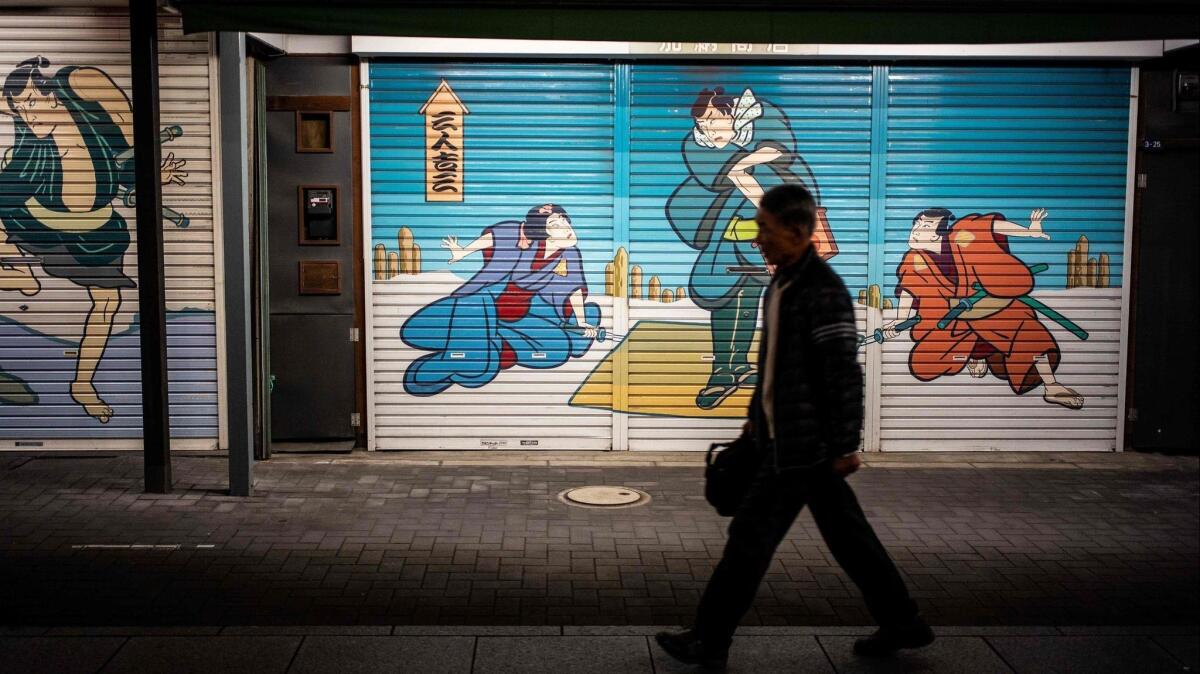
(805, 417)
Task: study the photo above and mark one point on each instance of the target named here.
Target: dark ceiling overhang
(847, 22)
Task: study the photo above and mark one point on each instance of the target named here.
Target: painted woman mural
(527, 306)
(75, 123)
(969, 296)
(737, 150)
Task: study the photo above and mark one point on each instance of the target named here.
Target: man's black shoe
(888, 640)
(689, 649)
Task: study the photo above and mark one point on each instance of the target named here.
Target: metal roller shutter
(457, 150)
(821, 115)
(40, 333)
(984, 140)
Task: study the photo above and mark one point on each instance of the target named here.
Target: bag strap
(712, 450)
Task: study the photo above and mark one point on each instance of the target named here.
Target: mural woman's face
(924, 234)
(717, 125)
(559, 231)
(41, 112)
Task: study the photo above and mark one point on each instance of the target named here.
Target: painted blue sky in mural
(529, 140)
(1013, 140)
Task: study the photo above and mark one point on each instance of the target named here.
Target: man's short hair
(793, 205)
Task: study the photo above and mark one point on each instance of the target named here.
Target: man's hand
(1035, 224)
(848, 464)
(457, 252)
(171, 170)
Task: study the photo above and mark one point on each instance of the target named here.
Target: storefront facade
(557, 246)
(1005, 185)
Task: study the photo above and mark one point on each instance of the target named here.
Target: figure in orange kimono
(999, 330)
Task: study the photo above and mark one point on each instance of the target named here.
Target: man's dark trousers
(767, 512)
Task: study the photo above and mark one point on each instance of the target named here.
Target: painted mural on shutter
(705, 142)
(69, 360)
(1005, 220)
(491, 230)
(976, 214)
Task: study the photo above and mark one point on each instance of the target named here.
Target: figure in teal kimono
(527, 306)
(737, 149)
(76, 123)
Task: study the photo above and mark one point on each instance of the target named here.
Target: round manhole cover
(599, 496)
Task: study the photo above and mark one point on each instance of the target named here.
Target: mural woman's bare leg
(105, 304)
(1056, 393)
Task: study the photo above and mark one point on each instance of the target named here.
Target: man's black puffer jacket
(818, 383)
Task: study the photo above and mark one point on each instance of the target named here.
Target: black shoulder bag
(729, 469)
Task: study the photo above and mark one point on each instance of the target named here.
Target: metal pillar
(235, 223)
(152, 309)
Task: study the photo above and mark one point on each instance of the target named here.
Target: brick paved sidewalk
(581, 650)
(436, 539)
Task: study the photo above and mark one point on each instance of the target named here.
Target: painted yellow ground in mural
(668, 364)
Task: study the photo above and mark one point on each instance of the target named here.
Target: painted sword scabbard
(1053, 315)
(747, 270)
(964, 305)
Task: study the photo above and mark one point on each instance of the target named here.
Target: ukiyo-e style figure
(969, 294)
(71, 157)
(738, 149)
(527, 306)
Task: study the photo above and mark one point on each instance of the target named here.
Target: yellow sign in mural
(444, 117)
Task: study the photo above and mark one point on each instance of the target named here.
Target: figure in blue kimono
(737, 149)
(527, 306)
(68, 162)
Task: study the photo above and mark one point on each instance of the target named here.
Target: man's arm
(1033, 231)
(837, 378)
(904, 311)
(746, 183)
(458, 252)
(577, 309)
(93, 84)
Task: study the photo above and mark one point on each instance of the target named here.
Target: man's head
(929, 228)
(786, 217)
(30, 97)
(712, 113)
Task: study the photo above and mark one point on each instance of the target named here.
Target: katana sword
(748, 270)
(20, 259)
(966, 303)
(601, 333)
(878, 337)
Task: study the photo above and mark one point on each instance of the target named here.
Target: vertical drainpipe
(156, 425)
(235, 224)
